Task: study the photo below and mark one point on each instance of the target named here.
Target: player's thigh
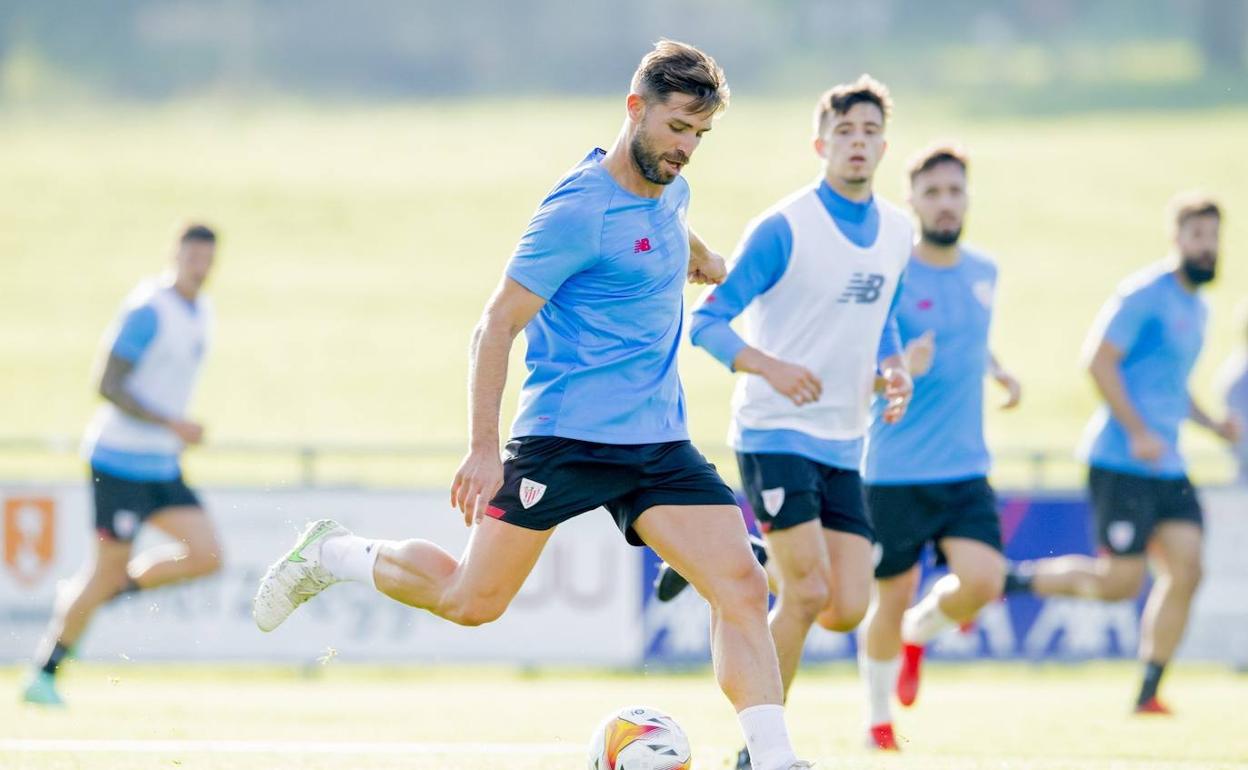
(187, 524)
(1121, 576)
(980, 567)
(111, 557)
(894, 594)
(1177, 548)
(495, 563)
(800, 556)
(707, 544)
(851, 568)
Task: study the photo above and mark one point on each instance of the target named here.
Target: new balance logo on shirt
(863, 288)
(640, 245)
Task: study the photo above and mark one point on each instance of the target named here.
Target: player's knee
(208, 561)
(740, 591)
(984, 586)
(475, 612)
(808, 595)
(844, 614)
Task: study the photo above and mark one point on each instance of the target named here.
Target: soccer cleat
(670, 583)
(1154, 707)
(41, 690)
(881, 738)
(743, 760)
(296, 577)
(908, 674)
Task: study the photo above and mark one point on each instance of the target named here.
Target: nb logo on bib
(863, 288)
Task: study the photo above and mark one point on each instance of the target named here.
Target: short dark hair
(840, 99)
(1187, 205)
(196, 232)
(934, 155)
(679, 68)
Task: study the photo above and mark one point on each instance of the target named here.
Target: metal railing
(1020, 467)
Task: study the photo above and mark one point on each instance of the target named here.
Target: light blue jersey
(941, 437)
(602, 350)
(760, 263)
(1235, 387)
(1160, 327)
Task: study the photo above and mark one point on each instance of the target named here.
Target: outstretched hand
(478, 479)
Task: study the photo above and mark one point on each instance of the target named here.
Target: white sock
(924, 621)
(349, 557)
(880, 679)
(767, 737)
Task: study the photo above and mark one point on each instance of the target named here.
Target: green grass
(968, 717)
(360, 243)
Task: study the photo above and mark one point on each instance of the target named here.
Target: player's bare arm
(797, 383)
(1227, 429)
(480, 474)
(113, 388)
(898, 387)
(1106, 373)
(1013, 388)
(705, 266)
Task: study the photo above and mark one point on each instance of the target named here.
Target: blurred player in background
(597, 285)
(1234, 387)
(134, 445)
(926, 476)
(815, 278)
(1142, 349)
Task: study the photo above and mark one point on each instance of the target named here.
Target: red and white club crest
(29, 537)
(530, 492)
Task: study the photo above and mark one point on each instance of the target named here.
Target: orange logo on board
(29, 536)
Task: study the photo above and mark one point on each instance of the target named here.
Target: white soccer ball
(639, 738)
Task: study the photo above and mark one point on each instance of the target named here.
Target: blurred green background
(370, 170)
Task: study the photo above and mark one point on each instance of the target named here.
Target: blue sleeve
(890, 336)
(138, 329)
(760, 262)
(563, 238)
(1126, 317)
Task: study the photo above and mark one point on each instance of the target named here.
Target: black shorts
(122, 505)
(909, 516)
(1127, 508)
(786, 490)
(548, 480)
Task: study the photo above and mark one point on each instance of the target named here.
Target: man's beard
(1201, 272)
(942, 237)
(649, 162)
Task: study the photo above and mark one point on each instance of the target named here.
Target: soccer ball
(638, 738)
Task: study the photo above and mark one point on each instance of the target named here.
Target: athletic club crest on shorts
(1120, 534)
(530, 492)
(773, 500)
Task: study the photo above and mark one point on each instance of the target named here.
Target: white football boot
(296, 577)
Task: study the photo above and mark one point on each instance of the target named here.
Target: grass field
(360, 243)
(968, 718)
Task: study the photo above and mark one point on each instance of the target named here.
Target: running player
(927, 475)
(1142, 349)
(596, 283)
(134, 443)
(815, 278)
(1234, 387)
